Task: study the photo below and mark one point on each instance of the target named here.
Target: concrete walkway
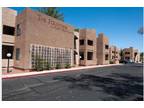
(53, 71)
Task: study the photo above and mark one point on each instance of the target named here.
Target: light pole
(8, 55)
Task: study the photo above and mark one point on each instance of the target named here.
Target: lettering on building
(52, 23)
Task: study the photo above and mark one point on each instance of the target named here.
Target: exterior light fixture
(8, 55)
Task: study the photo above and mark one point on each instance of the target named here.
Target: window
(106, 47)
(106, 56)
(135, 54)
(81, 42)
(127, 58)
(127, 52)
(90, 42)
(8, 30)
(81, 55)
(74, 43)
(18, 32)
(17, 53)
(89, 55)
(7, 49)
(113, 52)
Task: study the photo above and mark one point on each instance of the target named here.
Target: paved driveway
(123, 83)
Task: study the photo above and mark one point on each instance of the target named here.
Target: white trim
(53, 71)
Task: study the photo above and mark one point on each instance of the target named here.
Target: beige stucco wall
(5, 62)
(8, 18)
(38, 28)
(77, 48)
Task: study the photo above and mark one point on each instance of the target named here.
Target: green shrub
(58, 66)
(111, 62)
(44, 62)
(67, 66)
(38, 64)
(48, 66)
(77, 29)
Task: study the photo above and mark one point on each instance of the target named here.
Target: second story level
(8, 25)
(87, 39)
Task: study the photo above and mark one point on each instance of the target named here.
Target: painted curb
(53, 71)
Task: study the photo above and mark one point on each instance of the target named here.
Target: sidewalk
(53, 71)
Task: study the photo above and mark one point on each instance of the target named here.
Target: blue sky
(119, 24)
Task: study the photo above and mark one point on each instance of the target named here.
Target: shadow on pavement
(127, 88)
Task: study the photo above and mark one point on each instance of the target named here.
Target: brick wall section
(102, 40)
(131, 55)
(38, 28)
(88, 34)
(114, 54)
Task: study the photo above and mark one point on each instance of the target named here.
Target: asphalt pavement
(115, 83)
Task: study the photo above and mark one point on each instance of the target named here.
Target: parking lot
(115, 83)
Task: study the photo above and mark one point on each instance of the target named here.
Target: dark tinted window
(81, 42)
(135, 54)
(81, 55)
(127, 58)
(18, 31)
(89, 55)
(127, 52)
(90, 42)
(74, 43)
(106, 57)
(7, 49)
(106, 47)
(8, 30)
(17, 53)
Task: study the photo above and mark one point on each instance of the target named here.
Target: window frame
(18, 30)
(106, 56)
(17, 53)
(90, 42)
(82, 56)
(81, 41)
(88, 55)
(106, 46)
(8, 30)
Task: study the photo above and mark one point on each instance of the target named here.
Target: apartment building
(114, 54)
(131, 54)
(40, 35)
(87, 47)
(102, 49)
(30, 35)
(8, 35)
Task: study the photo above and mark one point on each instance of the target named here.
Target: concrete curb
(53, 71)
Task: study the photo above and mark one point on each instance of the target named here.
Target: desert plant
(77, 29)
(48, 66)
(53, 12)
(38, 63)
(58, 66)
(67, 66)
(111, 62)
